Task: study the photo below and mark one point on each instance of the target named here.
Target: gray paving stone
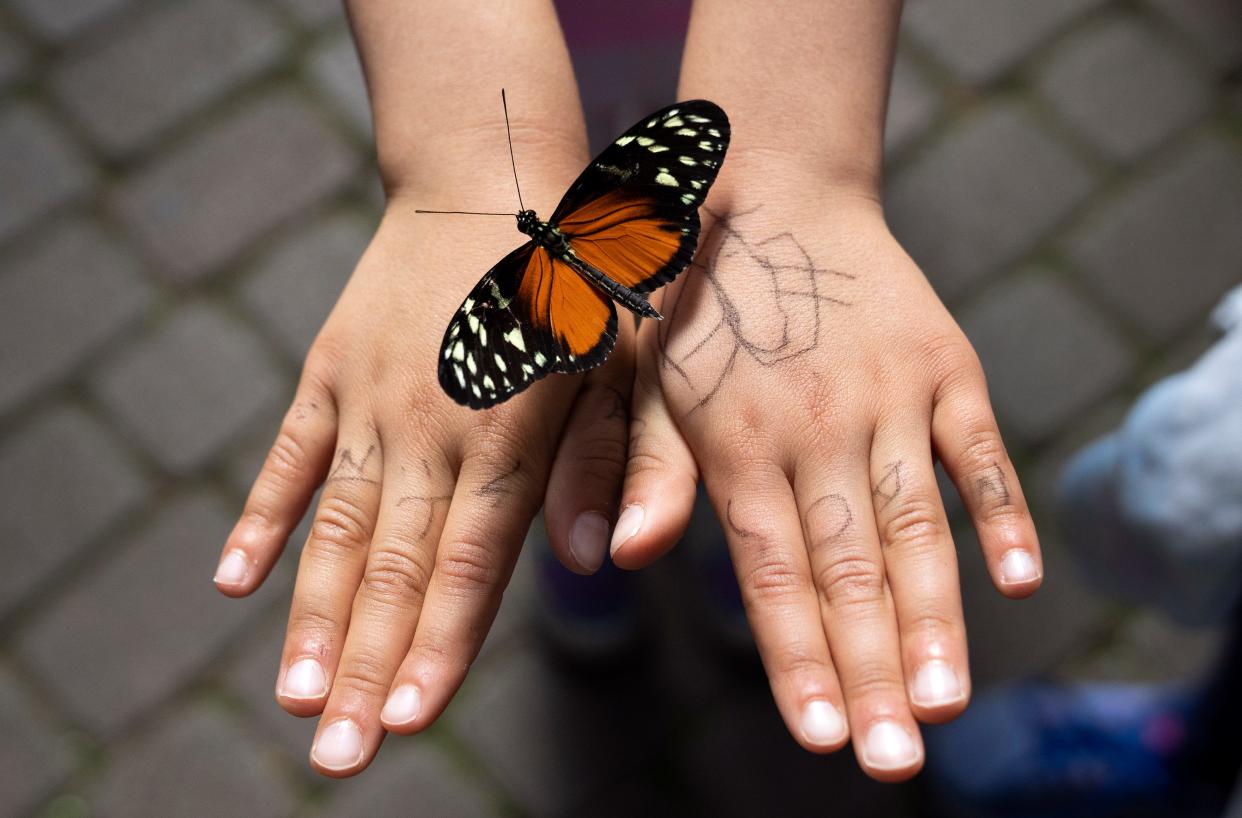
(39, 168)
(1121, 86)
(410, 778)
(261, 166)
(13, 58)
(334, 68)
(314, 13)
(983, 195)
(128, 89)
(297, 283)
(59, 20)
(1215, 26)
(142, 625)
(567, 740)
(1047, 354)
(191, 386)
(912, 104)
(33, 757)
(93, 478)
(1166, 248)
(981, 40)
(194, 764)
(61, 297)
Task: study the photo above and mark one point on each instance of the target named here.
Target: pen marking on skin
(496, 488)
(791, 287)
(431, 503)
(888, 486)
(840, 518)
(737, 529)
(993, 484)
(616, 409)
(348, 470)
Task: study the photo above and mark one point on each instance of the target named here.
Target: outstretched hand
(809, 376)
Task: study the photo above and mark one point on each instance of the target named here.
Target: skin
(825, 490)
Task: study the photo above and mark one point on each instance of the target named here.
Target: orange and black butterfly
(629, 224)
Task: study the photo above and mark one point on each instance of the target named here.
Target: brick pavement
(185, 187)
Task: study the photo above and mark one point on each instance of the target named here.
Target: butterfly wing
(634, 211)
(529, 316)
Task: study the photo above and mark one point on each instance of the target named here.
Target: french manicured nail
(936, 685)
(402, 706)
(339, 746)
(588, 539)
(304, 679)
(888, 747)
(628, 524)
(232, 569)
(1017, 567)
(822, 723)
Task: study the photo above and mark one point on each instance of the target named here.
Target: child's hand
(808, 369)
(425, 503)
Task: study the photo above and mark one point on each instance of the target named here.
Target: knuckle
(309, 626)
(913, 524)
(469, 566)
(771, 579)
(873, 677)
(365, 673)
(930, 621)
(802, 662)
(851, 580)
(392, 574)
(430, 652)
(288, 457)
(341, 524)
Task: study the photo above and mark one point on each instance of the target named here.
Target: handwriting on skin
(762, 299)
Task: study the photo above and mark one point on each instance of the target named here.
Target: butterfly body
(628, 225)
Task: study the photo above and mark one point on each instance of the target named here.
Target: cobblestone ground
(184, 187)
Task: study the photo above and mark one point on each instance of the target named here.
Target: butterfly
(628, 225)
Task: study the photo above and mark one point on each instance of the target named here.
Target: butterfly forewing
(527, 317)
(633, 213)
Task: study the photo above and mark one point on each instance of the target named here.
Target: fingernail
(936, 685)
(1017, 567)
(402, 706)
(304, 679)
(339, 746)
(628, 524)
(888, 747)
(588, 539)
(822, 723)
(232, 569)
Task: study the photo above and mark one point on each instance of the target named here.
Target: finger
(761, 525)
(493, 504)
(857, 612)
(399, 563)
(294, 468)
(661, 480)
(921, 566)
(968, 443)
(330, 570)
(581, 499)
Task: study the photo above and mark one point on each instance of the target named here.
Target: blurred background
(186, 184)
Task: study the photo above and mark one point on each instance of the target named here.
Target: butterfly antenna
(464, 213)
(512, 161)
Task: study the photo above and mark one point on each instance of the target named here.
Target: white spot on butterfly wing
(673, 122)
(696, 184)
(473, 321)
(488, 383)
(461, 376)
(474, 387)
(500, 362)
(539, 359)
(459, 351)
(701, 120)
(687, 132)
(474, 370)
(657, 148)
(645, 141)
(514, 337)
(686, 160)
(687, 198)
(666, 178)
(482, 335)
(625, 140)
(713, 132)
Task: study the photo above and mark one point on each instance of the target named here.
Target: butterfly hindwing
(528, 317)
(633, 213)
